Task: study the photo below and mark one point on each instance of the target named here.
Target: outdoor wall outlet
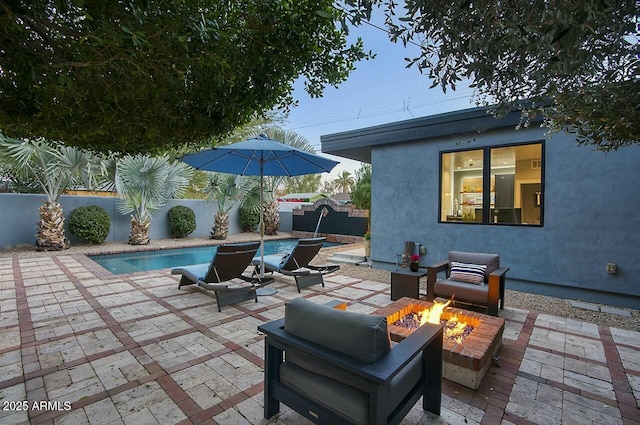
(612, 268)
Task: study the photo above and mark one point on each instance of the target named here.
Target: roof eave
(357, 144)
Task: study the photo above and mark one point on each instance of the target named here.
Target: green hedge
(249, 219)
(91, 223)
(182, 221)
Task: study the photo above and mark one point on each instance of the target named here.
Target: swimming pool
(132, 262)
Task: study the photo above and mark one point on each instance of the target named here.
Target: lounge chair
(229, 262)
(296, 263)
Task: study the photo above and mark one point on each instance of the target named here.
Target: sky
(379, 91)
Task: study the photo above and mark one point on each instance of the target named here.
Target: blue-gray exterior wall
(591, 215)
(286, 221)
(19, 216)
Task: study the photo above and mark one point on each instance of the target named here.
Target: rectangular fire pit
(464, 362)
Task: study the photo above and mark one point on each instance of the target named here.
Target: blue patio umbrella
(260, 156)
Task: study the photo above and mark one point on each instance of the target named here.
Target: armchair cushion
(322, 386)
(346, 400)
(364, 337)
(462, 291)
(470, 273)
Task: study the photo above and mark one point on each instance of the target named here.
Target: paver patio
(80, 345)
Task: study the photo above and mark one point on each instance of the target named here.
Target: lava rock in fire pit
(412, 321)
(459, 335)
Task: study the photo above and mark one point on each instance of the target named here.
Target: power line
(406, 104)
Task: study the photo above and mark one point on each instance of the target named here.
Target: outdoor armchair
(470, 277)
(296, 263)
(338, 367)
(229, 262)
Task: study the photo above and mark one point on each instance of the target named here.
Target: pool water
(133, 262)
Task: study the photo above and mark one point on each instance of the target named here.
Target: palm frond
(54, 166)
(273, 183)
(228, 189)
(178, 177)
(144, 183)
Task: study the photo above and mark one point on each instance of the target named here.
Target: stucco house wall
(591, 208)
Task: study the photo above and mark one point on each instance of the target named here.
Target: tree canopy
(144, 75)
(575, 61)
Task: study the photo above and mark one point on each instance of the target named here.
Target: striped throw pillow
(470, 273)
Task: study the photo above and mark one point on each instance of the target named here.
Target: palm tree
(55, 168)
(228, 190)
(344, 182)
(303, 184)
(144, 184)
(273, 183)
(327, 188)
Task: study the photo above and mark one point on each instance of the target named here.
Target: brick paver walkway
(79, 345)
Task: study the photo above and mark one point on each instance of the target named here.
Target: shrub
(249, 219)
(91, 223)
(182, 221)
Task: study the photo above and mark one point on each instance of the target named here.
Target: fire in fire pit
(454, 329)
(465, 361)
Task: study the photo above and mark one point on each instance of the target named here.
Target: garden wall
(19, 216)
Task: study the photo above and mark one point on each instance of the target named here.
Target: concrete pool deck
(133, 349)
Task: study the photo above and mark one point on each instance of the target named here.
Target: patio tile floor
(81, 346)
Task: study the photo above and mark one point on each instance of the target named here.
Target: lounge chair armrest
(325, 269)
(298, 272)
(212, 286)
(309, 269)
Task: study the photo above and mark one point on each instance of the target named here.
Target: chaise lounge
(471, 277)
(229, 262)
(296, 263)
(338, 367)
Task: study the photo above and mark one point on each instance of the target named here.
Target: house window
(493, 185)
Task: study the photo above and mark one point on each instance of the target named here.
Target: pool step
(354, 256)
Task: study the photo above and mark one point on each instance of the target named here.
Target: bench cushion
(362, 336)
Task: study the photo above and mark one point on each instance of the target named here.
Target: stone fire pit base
(466, 362)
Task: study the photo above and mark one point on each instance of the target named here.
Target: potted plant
(414, 265)
(367, 244)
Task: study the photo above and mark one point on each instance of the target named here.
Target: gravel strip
(524, 301)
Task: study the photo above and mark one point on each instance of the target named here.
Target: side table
(405, 283)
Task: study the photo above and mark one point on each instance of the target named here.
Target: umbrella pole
(262, 291)
(261, 224)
